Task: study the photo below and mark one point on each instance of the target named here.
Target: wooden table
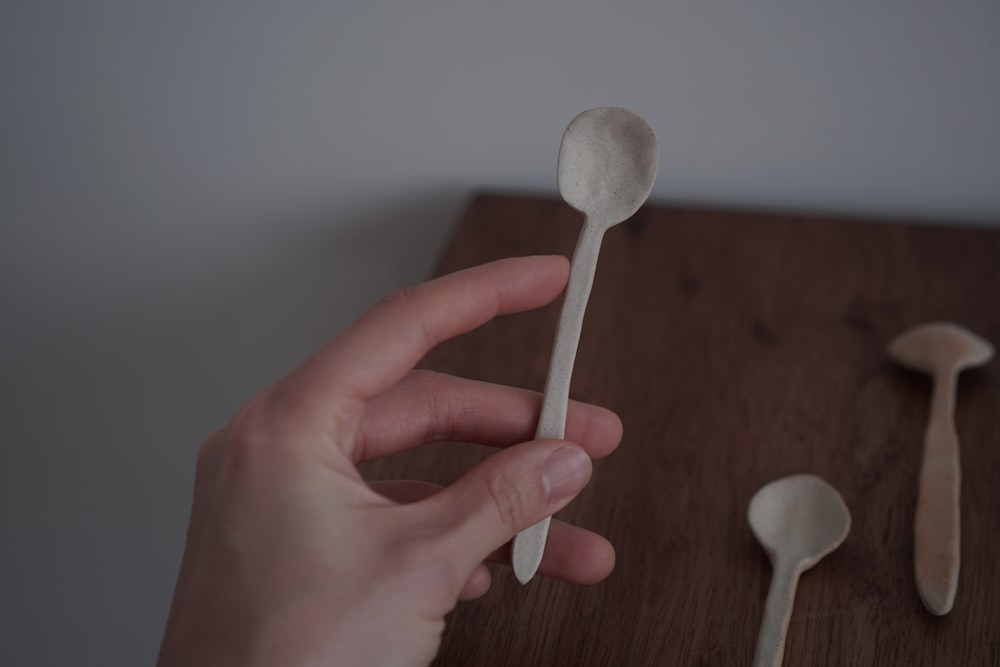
(739, 348)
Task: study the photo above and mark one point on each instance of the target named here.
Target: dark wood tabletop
(739, 347)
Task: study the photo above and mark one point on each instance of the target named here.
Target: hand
(293, 559)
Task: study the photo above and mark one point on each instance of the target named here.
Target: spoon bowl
(799, 517)
(937, 347)
(607, 164)
(798, 520)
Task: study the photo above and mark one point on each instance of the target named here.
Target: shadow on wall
(310, 283)
(113, 400)
(267, 297)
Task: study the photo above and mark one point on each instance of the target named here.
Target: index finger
(381, 347)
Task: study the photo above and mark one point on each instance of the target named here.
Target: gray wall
(194, 195)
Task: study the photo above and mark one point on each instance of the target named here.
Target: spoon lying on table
(607, 166)
(798, 520)
(944, 350)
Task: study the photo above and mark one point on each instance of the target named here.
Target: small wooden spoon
(944, 350)
(607, 166)
(798, 520)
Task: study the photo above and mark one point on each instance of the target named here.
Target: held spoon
(943, 350)
(798, 520)
(607, 166)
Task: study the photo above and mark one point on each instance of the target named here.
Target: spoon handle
(777, 613)
(937, 523)
(529, 544)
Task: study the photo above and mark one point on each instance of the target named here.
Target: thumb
(511, 491)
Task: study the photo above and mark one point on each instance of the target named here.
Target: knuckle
(207, 463)
(405, 299)
(250, 419)
(408, 303)
(208, 453)
(449, 408)
(248, 434)
(443, 415)
(427, 380)
(438, 408)
(507, 499)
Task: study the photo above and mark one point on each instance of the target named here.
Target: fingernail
(565, 472)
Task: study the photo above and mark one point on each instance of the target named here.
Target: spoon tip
(937, 599)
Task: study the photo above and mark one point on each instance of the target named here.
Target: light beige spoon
(944, 350)
(798, 520)
(607, 166)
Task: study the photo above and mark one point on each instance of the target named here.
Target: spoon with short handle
(942, 349)
(607, 166)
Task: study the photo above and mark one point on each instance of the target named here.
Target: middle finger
(434, 407)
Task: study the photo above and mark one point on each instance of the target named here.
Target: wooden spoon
(607, 166)
(944, 350)
(798, 520)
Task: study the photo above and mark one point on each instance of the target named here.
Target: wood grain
(739, 348)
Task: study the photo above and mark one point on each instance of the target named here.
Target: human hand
(293, 559)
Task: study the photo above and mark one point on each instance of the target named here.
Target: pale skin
(292, 558)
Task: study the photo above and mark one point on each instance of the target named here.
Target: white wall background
(194, 195)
